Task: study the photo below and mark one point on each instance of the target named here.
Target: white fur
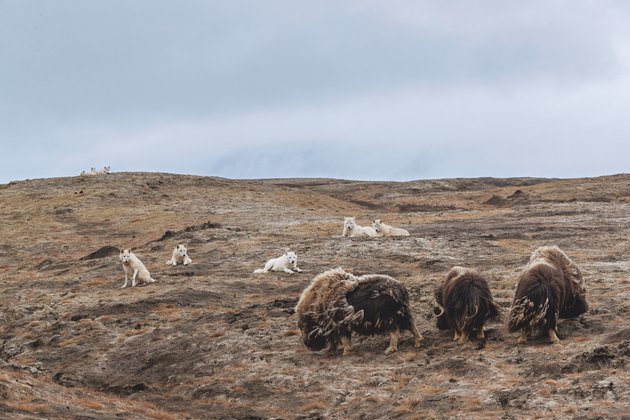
(134, 267)
(105, 170)
(287, 263)
(386, 230)
(350, 228)
(180, 255)
(93, 171)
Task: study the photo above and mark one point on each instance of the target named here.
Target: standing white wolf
(287, 263)
(350, 228)
(180, 256)
(386, 230)
(133, 267)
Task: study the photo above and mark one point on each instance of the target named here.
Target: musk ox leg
(552, 336)
(463, 338)
(523, 338)
(347, 345)
(393, 341)
(456, 337)
(480, 334)
(416, 333)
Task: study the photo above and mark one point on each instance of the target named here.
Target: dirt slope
(213, 340)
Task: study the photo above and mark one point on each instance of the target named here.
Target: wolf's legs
(133, 278)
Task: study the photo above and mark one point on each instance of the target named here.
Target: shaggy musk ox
(337, 303)
(465, 304)
(549, 287)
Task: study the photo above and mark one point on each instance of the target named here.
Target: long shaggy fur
(549, 287)
(337, 303)
(465, 303)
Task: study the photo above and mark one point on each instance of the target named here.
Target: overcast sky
(390, 90)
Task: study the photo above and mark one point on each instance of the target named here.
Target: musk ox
(549, 287)
(337, 303)
(465, 304)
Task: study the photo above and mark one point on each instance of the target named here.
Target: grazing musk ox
(465, 304)
(337, 303)
(549, 287)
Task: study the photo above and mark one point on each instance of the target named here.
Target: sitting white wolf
(350, 228)
(180, 255)
(287, 263)
(386, 230)
(134, 267)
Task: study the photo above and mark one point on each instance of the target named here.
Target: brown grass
(28, 406)
(314, 405)
(93, 405)
(97, 281)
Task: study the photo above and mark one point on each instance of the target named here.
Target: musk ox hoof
(390, 350)
(418, 343)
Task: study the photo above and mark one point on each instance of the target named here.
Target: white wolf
(287, 263)
(180, 255)
(386, 230)
(134, 267)
(350, 228)
(105, 170)
(93, 171)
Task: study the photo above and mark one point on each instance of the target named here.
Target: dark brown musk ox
(465, 304)
(338, 303)
(549, 287)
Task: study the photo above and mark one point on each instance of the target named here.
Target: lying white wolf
(386, 230)
(134, 267)
(180, 256)
(287, 263)
(350, 228)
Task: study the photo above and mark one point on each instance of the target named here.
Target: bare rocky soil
(213, 340)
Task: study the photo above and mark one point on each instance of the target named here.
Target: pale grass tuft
(218, 333)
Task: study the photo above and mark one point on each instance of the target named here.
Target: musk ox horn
(442, 310)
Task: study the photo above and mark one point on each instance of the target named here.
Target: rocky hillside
(214, 340)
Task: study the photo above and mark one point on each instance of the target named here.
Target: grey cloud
(81, 81)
